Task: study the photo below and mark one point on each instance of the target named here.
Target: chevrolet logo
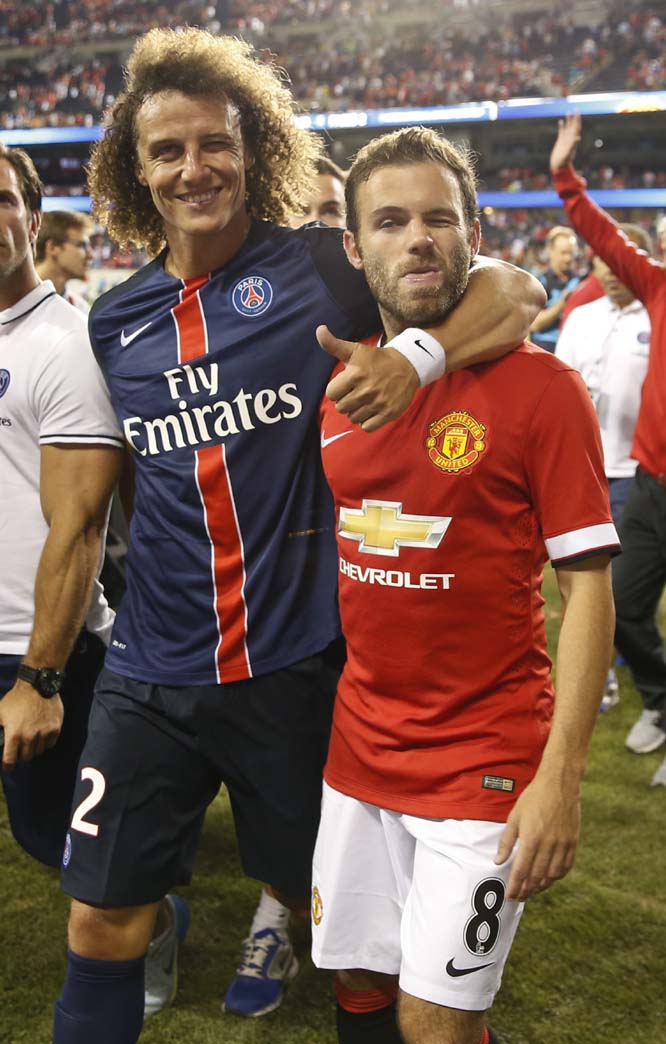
(381, 528)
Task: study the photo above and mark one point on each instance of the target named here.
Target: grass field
(588, 966)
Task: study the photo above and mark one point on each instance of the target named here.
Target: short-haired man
(639, 575)
(216, 376)
(443, 754)
(558, 280)
(59, 460)
(63, 252)
(326, 202)
(608, 342)
(60, 453)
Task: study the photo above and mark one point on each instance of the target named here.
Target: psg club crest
(252, 296)
(4, 381)
(456, 441)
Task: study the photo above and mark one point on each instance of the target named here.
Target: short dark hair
(412, 145)
(325, 165)
(29, 180)
(55, 226)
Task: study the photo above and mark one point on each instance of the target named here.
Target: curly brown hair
(198, 64)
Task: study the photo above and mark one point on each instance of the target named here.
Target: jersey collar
(27, 304)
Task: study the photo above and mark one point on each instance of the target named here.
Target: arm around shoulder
(493, 316)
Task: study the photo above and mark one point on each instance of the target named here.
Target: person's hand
(376, 386)
(31, 723)
(546, 822)
(568, 135)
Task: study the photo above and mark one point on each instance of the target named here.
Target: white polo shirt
(51, 392)
(610, 346)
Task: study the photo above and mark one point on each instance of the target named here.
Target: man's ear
(476, 237)
(352, 251)
(140, 176)
(248, 157)
(33, 227)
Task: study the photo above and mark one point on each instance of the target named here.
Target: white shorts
(418, 898)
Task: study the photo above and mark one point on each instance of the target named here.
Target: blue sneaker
(162, 958)
(267, 965)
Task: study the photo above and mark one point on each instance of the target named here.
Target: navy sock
(101, 1002)
(368, 1027)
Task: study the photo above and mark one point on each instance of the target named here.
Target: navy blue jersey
(217, 382)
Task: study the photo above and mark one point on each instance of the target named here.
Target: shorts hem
(437, 994)
(343, 962)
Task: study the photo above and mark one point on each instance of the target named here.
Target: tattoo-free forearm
(65, 575)
(583, 652)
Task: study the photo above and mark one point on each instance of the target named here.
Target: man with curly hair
(223, 663)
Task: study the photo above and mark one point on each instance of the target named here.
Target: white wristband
(423, 351)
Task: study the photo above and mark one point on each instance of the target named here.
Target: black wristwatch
(45, 680)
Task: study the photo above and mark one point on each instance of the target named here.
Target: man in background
(558, 281)
(608, 342)
(639, 574)
(63, 252)
(327, 200)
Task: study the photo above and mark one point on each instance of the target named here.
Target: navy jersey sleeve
(345, 284)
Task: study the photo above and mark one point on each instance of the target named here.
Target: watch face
(49, 682)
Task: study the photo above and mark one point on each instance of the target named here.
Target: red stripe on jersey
(190, 321)
(227, 563)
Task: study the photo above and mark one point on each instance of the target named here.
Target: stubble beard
(422, 306)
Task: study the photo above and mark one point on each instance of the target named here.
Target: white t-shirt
(610, 346)
(51, 392)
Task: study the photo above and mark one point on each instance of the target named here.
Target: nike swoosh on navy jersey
(126, 339)
(456, 972)
(326, 442)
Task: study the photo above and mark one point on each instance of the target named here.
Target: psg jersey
(216, 382)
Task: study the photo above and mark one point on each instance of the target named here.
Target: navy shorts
(155, 759)
(39, 792)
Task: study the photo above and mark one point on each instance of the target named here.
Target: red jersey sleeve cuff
(567, 182)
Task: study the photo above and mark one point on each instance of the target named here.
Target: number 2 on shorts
(89, 803)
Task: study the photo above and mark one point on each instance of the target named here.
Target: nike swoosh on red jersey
(327, 442)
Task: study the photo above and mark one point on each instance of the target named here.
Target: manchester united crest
(317, 907)
(456, 441)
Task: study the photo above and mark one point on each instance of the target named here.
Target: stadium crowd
(427, 64)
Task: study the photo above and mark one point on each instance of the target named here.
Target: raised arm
(630, 264)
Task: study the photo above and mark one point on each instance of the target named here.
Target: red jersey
(445, 519)
(590, 289)
(646, 278)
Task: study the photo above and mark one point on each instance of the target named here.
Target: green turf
(588, 965)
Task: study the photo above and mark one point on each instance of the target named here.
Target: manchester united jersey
(445, 520)
(217, 381)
